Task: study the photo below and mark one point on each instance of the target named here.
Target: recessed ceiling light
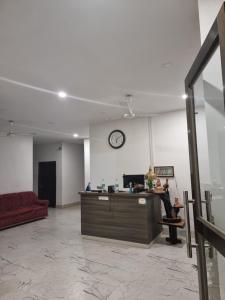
(75, 135)
(167, 64)
(184, 96)
(62, 94)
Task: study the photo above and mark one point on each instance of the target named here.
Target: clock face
(116, 139)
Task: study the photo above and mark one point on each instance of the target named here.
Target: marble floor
(49, 260)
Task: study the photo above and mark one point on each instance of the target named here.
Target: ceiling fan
(12, 131)
(128, 101)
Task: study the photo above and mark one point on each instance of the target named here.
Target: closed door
(47, 182)
(206, 129)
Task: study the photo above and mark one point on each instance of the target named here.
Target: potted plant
(150, 177)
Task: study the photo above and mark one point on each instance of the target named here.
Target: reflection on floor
(49, 260)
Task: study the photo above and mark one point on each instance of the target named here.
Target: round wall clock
(116, 139)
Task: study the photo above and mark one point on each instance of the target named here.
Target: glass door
(205, 84)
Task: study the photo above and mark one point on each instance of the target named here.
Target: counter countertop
(123, 194)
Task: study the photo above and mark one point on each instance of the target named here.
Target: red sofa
(17, 208)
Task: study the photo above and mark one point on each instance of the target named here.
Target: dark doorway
(47, 182)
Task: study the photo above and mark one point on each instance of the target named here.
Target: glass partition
(215, 263)
(210, 132)
(205, 86)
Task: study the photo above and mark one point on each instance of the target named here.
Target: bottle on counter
(130, 187)
(117, 186)
(88, 188)
(103, 185)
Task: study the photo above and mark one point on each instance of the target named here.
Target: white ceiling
(94, 49)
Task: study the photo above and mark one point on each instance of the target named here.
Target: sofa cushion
(15, 212)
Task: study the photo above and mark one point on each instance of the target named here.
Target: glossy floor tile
(48, 260)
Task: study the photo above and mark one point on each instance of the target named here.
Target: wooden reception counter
(122, 216)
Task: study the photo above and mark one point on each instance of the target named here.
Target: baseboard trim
(121, 242)
(68, 205)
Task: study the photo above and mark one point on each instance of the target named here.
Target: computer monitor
(134, 179)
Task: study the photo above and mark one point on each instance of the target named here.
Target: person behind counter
(165, 197)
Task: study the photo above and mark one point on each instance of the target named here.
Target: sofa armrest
(42, 202)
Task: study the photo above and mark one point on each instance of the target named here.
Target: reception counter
(122, 216)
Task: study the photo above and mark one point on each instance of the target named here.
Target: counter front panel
(122, 216)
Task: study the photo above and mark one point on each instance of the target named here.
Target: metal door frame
(204, 230)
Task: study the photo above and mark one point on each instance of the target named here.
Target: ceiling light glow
(75, 135)
(184, 96)
(62, 94)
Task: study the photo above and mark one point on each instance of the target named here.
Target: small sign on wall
(164, 171)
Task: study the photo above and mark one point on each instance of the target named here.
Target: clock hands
(119, 137)
(115, 139)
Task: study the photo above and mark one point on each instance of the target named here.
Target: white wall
(170, 147)
(160, 141)
(163, 141)
(49, 152)
(16, 164)
(110, 164)
(72, 172)
(208, 10)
